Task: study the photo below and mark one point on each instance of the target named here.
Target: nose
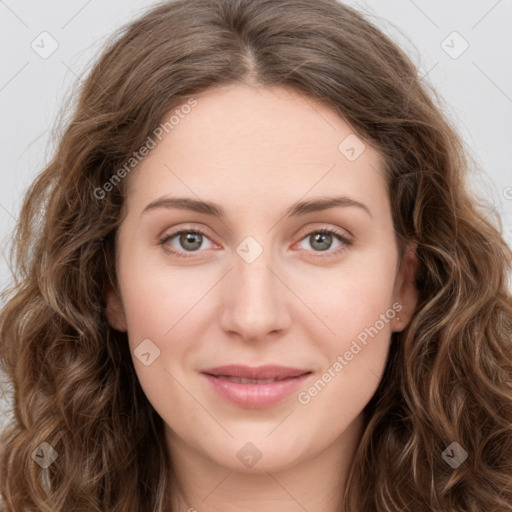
(255, 300)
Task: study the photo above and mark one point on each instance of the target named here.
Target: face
(273, 274)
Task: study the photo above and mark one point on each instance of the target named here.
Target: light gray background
(475, 87)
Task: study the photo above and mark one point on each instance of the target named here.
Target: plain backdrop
(459, 46)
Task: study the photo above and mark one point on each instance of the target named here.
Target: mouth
(260, 373)
(241, 380)
(255, 387)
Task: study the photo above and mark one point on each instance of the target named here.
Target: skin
(255, 151)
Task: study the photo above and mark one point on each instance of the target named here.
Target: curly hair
(448, 376)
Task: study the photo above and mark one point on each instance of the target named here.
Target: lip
(269, 371)
(255, 396)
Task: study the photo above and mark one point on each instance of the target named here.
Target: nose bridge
(255, 302)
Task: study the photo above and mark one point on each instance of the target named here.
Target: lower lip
(256, 395)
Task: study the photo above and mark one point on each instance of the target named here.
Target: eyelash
(328, 231)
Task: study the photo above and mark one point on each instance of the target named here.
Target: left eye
(321, 240)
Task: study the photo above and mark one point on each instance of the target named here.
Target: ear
(115, 310)
(406, 292)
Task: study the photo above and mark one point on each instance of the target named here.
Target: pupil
(192, 238)
(322, 237)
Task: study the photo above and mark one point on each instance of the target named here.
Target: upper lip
(256, 372)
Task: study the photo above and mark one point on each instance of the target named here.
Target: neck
(316, 482)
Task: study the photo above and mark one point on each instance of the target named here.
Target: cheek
(363, 307)
(167, 307)
(351, 300)
(354, 356)
(160, 338)
(158, 299)
(356, 308)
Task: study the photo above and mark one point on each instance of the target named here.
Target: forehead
(240, 142)
(261, 122)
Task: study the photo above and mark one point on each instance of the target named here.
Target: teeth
(240, 380)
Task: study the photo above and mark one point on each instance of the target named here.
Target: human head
(253, 291)
(178, 51)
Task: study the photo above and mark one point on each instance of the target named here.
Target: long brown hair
(448, 377)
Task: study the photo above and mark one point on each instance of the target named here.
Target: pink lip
(255, 396)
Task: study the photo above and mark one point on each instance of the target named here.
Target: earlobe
(406, 292)
(115, 311)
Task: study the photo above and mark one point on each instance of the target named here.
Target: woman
(337, 335)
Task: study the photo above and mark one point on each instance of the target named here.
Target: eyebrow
(216, 210)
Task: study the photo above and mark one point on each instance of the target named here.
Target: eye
(321, 240)
(190, 240)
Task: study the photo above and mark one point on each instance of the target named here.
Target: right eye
(190, 240)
